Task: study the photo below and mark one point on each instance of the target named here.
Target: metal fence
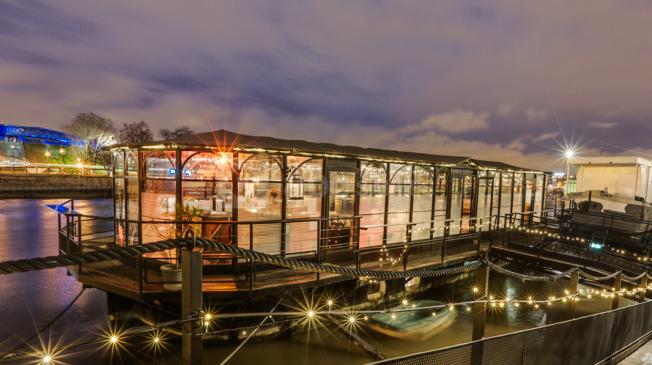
(600, 338)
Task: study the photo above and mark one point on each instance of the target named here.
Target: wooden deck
(124, 279)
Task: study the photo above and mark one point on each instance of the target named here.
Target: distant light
(475, 289)
(47, 359)
(114, 339)
(351, 319)
(61, 150)
(330, 302)
(569, 153)
(47, 153)
(310, 314)
(156, 340)
(404, 302)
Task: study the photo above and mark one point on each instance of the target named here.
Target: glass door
(461, 203)
(340, 228)
(485, 193)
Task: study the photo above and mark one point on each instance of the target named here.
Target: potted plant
(171, 272)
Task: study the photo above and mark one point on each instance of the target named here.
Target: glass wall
(373, 185)
(506, 195)
(538, 198)
(260, 198)
(517, 202)
(529, 186)
(207, 192)
(158, 198)
(119, 194)
(133, 197)
(304, 200)
(441, 202)
(398, 211)
(485, 196)
(422, 206)
(495, 204)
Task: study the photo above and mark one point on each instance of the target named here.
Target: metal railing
(321, 240)
(603, 338)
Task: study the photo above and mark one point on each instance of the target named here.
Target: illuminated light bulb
(493, 304)
(451, 307)
(393, 316)
(244, 333)
(404, 302)
(501, 304)
(468, 309)
(566, 292)
(46, 359)
(156, 340)
(330, 303)
(517, 304)
(113, 339)
(434, 314)
(365, 318)
(475, 289)
(351, 319)
(536, 306)
(207, 323)
(208, 316)
(310, 314)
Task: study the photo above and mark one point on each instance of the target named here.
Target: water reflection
(29, 300)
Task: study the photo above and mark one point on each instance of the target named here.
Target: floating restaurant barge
(342, 205)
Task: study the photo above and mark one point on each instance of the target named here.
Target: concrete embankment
(54, 186)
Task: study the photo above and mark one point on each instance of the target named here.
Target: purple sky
(493, 79)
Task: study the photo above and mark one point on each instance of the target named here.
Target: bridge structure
(556, 242)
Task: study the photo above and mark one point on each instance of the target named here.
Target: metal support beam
(191, 304)
(479, 313)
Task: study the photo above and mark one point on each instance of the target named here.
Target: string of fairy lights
(309, 315)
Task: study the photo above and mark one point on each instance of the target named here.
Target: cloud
(454, 122)
(546, 136)
(535, 114)
(379, 65)
(505, 110)
(602, 125)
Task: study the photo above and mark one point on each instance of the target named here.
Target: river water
(28, 301)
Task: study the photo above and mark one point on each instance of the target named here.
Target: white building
(620, 178)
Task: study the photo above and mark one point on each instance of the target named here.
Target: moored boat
(415, 325)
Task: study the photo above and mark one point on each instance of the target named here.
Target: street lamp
(569, 154)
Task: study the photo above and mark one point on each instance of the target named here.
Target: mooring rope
(41, 263)
(524, 277)
(599, 278)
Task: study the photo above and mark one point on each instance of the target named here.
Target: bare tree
(136, 132)
(96, 131)
(167, 134)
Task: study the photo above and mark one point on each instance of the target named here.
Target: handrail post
(572, 288)
(443, 242)
(140, 268)
(356, 233)
(479, 234)
(251, 262)
(618, 280)
(406, 247)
